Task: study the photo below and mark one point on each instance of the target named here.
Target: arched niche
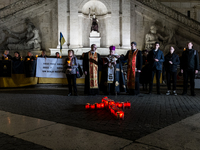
(95, 7)
(101, 11)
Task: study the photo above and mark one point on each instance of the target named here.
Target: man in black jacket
(189, 67)
(155, 59)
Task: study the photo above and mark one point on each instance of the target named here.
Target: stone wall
(184, 6)
(43, 16)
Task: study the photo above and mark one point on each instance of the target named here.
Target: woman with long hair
(71, 65)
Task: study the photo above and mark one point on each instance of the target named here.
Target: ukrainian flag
(62, 41)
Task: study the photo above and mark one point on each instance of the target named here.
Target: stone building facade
(120, 22)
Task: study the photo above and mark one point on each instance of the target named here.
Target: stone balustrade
(16, 7)
(172, 13)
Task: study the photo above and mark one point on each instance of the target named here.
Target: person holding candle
(6, 56)
(171, 62)
(29, 57)
(71, 64)
(91, 66)
(17, 56)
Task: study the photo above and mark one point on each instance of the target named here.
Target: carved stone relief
(26, 40)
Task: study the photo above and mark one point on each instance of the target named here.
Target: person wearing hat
(134, 57)
(113, 78)
(91, 66)
(155, 59)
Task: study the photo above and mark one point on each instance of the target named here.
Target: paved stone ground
(148, 113)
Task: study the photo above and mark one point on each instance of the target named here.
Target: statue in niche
(95, 21)
(94, 24)
(165, 37)
(28, 40)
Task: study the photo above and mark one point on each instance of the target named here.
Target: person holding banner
(29, 57)
(43, 54)
(57, 55)
(71, 65)
(17, 56)
(91, 65)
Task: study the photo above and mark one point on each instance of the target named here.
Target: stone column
(133, 21)
(81, 28)
(62, 21)
(126, 24)
(74, 25)
(115, 23)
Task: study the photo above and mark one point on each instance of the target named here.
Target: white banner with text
(50, 68)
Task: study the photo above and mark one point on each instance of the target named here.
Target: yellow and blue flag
(62, 41)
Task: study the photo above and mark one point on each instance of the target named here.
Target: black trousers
(158, 72)
(187, 74)
(136, 91)
(72, 78)
(171, 75)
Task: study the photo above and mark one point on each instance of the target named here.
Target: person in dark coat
(155, 59)
(43, 54)
(17, 56)
(171, 62)
(144, 76)
(189, 67)
(57, 55)
(29, 57)
(71, 64)
(6, 55)
(134, 57)
(92, 63)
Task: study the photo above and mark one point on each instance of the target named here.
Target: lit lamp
(98, 105)
(120, 115)
(36, 56)
(102, 105)
(87, 106)
(127, 104)
(92, 106)
(120, 105)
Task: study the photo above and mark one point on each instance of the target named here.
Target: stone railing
(16, 7)
(172, 13)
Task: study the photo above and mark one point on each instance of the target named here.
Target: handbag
(77, 73)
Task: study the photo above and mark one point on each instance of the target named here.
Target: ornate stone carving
(28, 40)
(166, 37)
(17, 6)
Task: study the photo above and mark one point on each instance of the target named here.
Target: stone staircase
(173, 14)
(16, 7)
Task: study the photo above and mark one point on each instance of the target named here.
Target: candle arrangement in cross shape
(114, 107)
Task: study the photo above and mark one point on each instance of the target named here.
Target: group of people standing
(112, 77)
